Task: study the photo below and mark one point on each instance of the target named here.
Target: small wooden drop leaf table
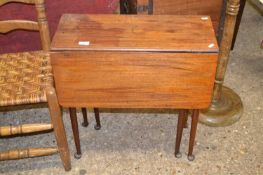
(130, 61)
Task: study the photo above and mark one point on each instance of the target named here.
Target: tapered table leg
(194, 122)
(85, 122)
(97, 117)
(75, 129)
(180, 127)
(185, 118)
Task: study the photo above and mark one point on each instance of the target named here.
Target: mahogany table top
(164, 33)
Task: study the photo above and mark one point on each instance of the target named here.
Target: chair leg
(185, 118)
(180, 125)
(85, 122)
(75, 129)
(59, 130)
(195, 116)
(97, 117)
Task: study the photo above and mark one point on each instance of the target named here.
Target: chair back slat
(2, 2)
(41, 23)
(9, 25)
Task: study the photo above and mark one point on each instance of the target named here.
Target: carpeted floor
(142, 142)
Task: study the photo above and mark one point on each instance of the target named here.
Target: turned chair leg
(59, 130)
(85, 122)
(180, 126)
(195, 116)
(75, 129)
(97, 117)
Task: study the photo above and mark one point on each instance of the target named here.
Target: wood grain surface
(7, 26)
(59, 129)
(159, 33)
(186, 7)
(27, 153)
(134, 79)
(22, 1)
(24, 129)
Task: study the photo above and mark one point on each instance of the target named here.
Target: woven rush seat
(26, 78)
(23, 77)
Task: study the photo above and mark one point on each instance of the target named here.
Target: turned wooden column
(238, 21)
(226, 107)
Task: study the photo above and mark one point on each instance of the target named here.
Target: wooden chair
(26, 78)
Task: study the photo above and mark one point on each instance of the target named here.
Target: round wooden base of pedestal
(224, 112)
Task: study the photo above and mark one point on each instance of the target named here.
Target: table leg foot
(178, 155)
(77, 156)
(97, 127)
(84, 124)
(191, 157)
